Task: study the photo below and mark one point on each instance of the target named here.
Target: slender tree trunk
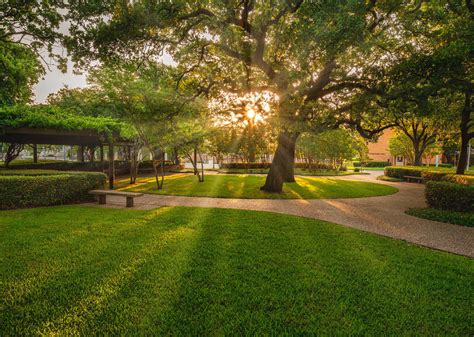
(283, 164)
(35, 153)
(13, 151)
(465, 136)
(195, 161)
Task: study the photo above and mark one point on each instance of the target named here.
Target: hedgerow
(46, 190)
(450, 196)
(371, 163)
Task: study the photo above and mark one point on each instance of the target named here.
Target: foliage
(44, 116)
(400, 145)
(167, 117)
(452, 217)
(450, 196)
(371, 163)
(430, 173)
(434, 175)
(311, 166)
(460, 179)
(19, 191)
(246, 187)
(89, 101)
(334, 146)
(77, 270)
(34, 24)
(19, 71)
(304, 53)
(121, 167)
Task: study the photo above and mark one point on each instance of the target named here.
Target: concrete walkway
(381, 215)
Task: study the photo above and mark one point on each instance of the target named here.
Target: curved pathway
(383, 215)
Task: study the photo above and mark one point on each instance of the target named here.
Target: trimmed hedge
(46, 190)
(401, 171)
(304, 166)
(460, 179)
(450, 196)
(371, 163)
(121, 166)
(434, 175)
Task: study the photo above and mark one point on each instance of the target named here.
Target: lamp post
(468, 155)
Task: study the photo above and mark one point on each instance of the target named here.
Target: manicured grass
(196, 271)
(457, 218)
(248, 187)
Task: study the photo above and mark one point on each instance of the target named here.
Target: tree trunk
(465, 136)
(35, 153)
(283, 165)
(13, 151)
(195, 160)
(80, 154)
(418, 158)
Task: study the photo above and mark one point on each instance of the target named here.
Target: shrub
(444, 165)
(460, 179)
(121, 166)
(371, 163)
(45, 190)
(245, 165)
(450, 196)
(401, 171)
(433, 175)
(304, 166)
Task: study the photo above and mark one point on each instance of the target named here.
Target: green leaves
(48, 117)
(19, 71)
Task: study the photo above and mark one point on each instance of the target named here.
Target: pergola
(49, 136)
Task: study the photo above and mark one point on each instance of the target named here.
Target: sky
(54, 80)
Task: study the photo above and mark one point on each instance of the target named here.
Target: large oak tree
(317, 56)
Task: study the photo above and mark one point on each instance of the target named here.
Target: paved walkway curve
(381, 215)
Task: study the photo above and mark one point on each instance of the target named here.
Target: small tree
(335, 146)
(13, 151)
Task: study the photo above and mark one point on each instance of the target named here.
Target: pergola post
(35, 153)
(80, 153)
(111, 165)
(101, 150)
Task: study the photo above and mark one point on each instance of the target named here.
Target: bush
(371, 163)
(445, 165)
(121, 166)
(304, 166)
(401, 171)
(450, 196)
(460, 179)
(434, 175)
(245, 165)
(45, 190)
(452, 217)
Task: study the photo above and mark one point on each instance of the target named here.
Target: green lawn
(248, 187)
(456, 218)
(196, 271)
